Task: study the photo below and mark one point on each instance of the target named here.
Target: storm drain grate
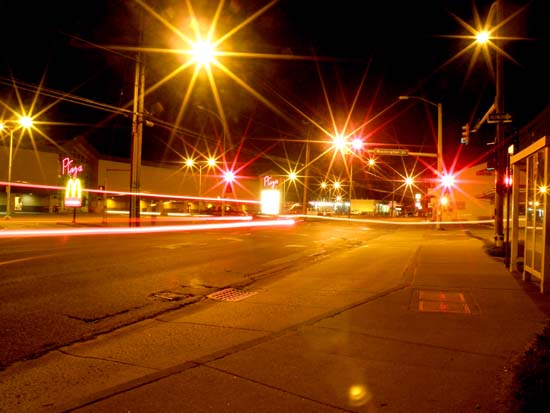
(230, 294)
(443, 302)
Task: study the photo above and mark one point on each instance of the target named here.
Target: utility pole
(306, 179)
(137, 134)
(8, 188)
(350, 182)
(439, 162)
(439, 106)
(499, 139)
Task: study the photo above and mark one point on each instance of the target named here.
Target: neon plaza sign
(270, 195)
(73, 190)
(271, 183)
(67, 168)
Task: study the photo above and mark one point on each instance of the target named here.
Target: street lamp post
(306, 180)
(500, 164)
(350, 184)
(439, 107)
(8, 187)
(24, 122)
(484, 37)
(225, 134)
(356, 146)
(209, 163)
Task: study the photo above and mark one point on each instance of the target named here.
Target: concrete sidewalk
(426, 322)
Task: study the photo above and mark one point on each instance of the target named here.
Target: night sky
(350, 56)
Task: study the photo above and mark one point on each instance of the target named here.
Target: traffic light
(448, 181)
(508, 180)
(465, 139)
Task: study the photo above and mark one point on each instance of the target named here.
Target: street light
(209, 163)
(341, 144)
(356, 146)
(439, 107)
(24, 122)
(291, 177)
(492, 37)
(225, 133)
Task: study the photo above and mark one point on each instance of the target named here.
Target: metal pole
(500, 164)
(284, 193)
(393, 197)
(137, 137)
(508, 188)
(137, 134)
(224, 148)
(439, 160)
(200, 181)
(350, 183)
(8, 187)
(200, 188)
(306, 178)
(439, 106)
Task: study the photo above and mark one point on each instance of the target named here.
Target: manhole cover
(443, 307)
(230, 294)
(448, 296)
(443, 302)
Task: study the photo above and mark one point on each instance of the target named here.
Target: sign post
(73, 190)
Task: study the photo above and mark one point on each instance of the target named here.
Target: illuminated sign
(271, 201)
(391, 152)
(67, 168)
(269, 182)
(73, 193)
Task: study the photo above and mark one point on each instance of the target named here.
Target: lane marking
(181, 244)
(36, 257)
(230, 239)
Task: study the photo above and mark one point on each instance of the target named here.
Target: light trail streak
(392, 222)
(142, 230)
(176, 216)
(126, 193)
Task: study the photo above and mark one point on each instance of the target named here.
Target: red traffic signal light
(448, 180)
(508, 180)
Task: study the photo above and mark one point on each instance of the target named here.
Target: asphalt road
(57, 291)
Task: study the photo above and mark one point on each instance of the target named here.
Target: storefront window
(536, 205)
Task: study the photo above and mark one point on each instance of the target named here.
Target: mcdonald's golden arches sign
(73, 193)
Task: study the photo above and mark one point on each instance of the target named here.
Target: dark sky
(362, 55)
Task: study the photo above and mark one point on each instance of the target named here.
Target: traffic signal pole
(499, 140)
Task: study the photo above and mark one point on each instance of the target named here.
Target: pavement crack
(256, 330)
(416, 343)
(80, 356)
(269, 386)
(93, 320)
(101, 318)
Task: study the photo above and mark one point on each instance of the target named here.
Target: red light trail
(122, 193)
(23, 233)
